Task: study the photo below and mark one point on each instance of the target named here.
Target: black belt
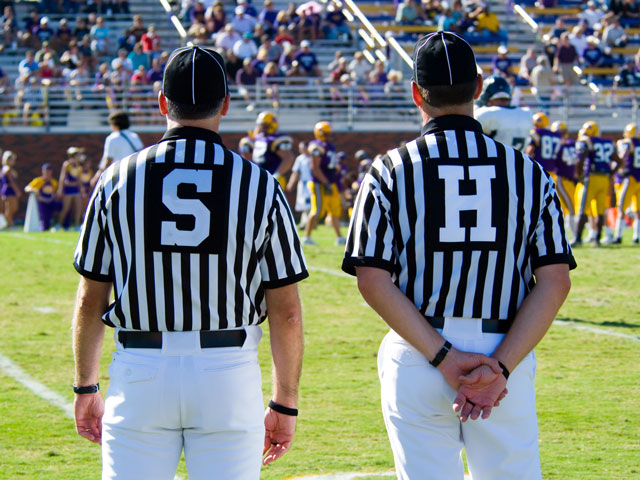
(208, 338)
(488, 325)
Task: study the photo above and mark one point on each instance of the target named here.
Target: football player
(543, 144)
(272, 150)
(596, 161)
(564, 169)
(325, 198)
(629, 170)
(502, 122)
(245, 146)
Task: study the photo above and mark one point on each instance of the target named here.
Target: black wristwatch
(86, 389)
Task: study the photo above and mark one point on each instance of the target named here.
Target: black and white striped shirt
(460, 221)
(190, 234)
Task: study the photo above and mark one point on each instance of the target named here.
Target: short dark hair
(440, 96)
(119, 119)
(187, 111)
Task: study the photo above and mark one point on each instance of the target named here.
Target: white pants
(427, 436)
(207, 401)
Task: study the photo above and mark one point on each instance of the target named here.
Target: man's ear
(162, 103)
(478, 88)
(225, 105)
(415, 94)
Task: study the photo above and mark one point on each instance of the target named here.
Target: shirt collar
(451, 122)
(192, 133)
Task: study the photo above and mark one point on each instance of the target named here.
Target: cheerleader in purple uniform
(9, 190)
(45, 189)
(69, 188)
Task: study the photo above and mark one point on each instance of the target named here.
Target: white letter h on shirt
(455, 203)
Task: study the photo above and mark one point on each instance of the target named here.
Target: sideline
(32, 237)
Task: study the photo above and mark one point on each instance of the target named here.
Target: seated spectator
(269, 78)
(335, 23)
(102, 77)
(307, 59)
(274, 51)
(199, 35)
(565, 59)
(447, 22)
(70, 58)
(138, 58)
(33, 21)
(527, 63)
(268, 16)
(47, 50)
(151, 41)
(10, 30)
(296, 74)
(48, 67)
(63, 36)
(215, 18)
(578, 38)
(44, 32)
(378, 76)
(156, 71)
(260, 61)
(247, 76)
(283, 36)
(546, 3)
(198, 13)
(81, 29)
(592, 15)
(501, 64)
(139, 76)
(287, 58)
(541, 76)
(248, 8)
(233, 64)
(408, 13)
(614, 34)
(359, 68)
(242, 22)
(100, 38)
(432, 10)
(628, 76)
(30, 100)
(592, 55)
(122, 60)
(486, 26)
(394, 84)
(227, 38)
(336, 59)
(86, 49)
(341, 68)
(558, 29)
(28, 65)
(246, 47)
(133, 34)
(4, 82)
(307, 25)
(630, 9)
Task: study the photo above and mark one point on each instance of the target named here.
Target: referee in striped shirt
(458, 244)
(199, 247)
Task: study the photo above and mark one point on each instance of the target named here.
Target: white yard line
(330, 271)
(20, 376)
(350, 476)
(596, 330)
(37, 237)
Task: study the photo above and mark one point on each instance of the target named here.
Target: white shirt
(302, 165)
(116, 146)
(245, 49)
(508, 125)
(227, 40)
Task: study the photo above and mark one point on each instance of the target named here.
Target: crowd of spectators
(473, 19)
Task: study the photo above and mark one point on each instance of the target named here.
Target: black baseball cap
(443, 58)
(195, 75)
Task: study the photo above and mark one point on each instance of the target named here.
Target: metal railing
(298, 102)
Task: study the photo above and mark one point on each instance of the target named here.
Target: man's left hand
(89, 409)
(480, 391)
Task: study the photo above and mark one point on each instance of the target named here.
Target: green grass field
(587, 382)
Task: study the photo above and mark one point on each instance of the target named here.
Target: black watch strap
(84, 390)
(276, 407)
(441, 354)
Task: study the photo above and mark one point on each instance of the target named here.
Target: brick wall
(35, 149)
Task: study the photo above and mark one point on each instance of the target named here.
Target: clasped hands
(478, 380)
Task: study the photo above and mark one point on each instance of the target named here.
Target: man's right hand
(477, 379)
(88, 412)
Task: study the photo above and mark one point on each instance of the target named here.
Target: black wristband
(276, 407)
(86, 389)
(441, 354)
(505, 370)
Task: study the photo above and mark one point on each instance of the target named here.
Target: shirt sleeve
(92, 258)
(283, 261)
(550, 245)
(370, 237)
